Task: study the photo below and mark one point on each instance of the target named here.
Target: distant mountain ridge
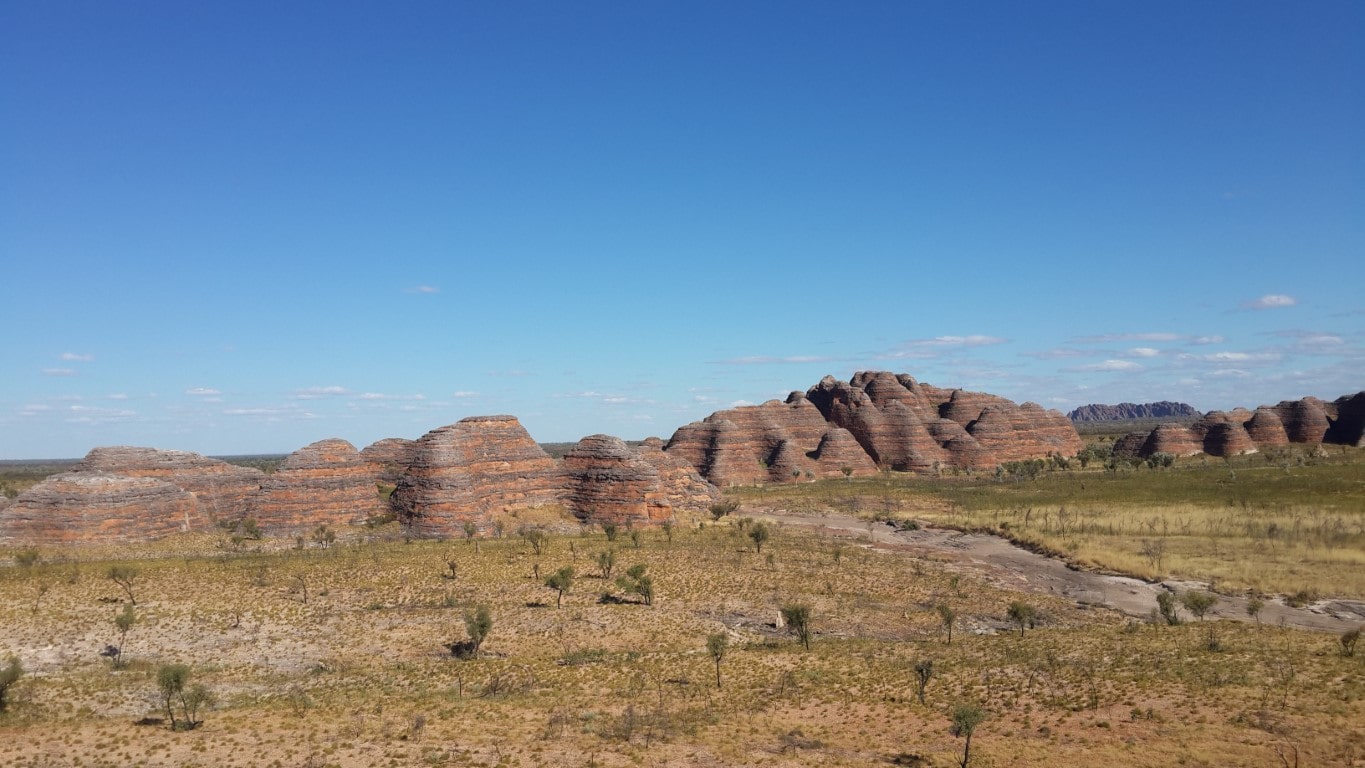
(1126, 411)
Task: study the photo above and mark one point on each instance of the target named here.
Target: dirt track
(1005, 564)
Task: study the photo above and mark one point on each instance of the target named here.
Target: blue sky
(243, 227)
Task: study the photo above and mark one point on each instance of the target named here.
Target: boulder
(224, 490)
(608, 482)
(475, 471)
(85, 507)
(325, 483)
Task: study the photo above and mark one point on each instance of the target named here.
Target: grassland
(358, 672)
(1282, 522)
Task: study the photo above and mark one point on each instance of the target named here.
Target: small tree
(797, 618)
(124, 622)
(478, 623)
(9, 675)
(1198, 603)
(1254, 607)
(469, 529)
(759, 534)
(722, 508)
(535, 537)
(637, 582)
(924, 669)
(1348, 641)
(27, 558)
(324, 537)
(560, 581)
(667, 527)
(1022, 613)
(966, 717)
(125, 576)
(636, 537)
(606, 561)
(948, 616)
(173, 681)
(611, 530)
(1165, 604)
(717, 645)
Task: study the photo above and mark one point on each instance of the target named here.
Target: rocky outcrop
(472, 471)
(82, 507)
(1164, 409)
(608, 482)
(1224, 433)
(683, 485)
(1348, 426)
(1130, 445)
(223, 490)
(325, 483)
(1174, 439)
(1304, 420)
(1265, 428)
(1230, 433)
(390, 457)
(898, 423)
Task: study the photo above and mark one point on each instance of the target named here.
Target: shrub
(173, 682)
(797, 618)
(9, 675)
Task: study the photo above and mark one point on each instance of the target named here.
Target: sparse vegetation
(13, 670)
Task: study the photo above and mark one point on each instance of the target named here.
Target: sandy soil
(1002, 563)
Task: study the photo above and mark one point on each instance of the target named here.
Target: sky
(243, 227)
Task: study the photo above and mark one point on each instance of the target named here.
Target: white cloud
(1060, 353)
(925, 348)
(1110, 338)
(72, 357)
(740, 403)
(116, 396)
(1201, 340)
(59, 372)
(382, 396)
(1235, 357)
(1271, 301)
(1111, 365)
(1143, 352)
(427, 289)
(464, 393)
(203, 392)
(1236, 373)
(771, 360)
(313, 393)
(33, 409)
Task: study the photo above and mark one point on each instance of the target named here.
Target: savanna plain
(724, 639)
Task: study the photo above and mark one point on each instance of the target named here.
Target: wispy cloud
(771, 360)
(33, 409)
(464, 393)
(59, 372)
(426, 289)
(382, 396)
(72, 357)
(1271, 301)
(1058, 353)
(1235, 357)
(315, 393)
(1143, 352)
(923, 348)
(1112, 338)
(203, 392)
(1110, 366)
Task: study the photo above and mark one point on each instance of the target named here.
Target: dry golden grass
(1282, 523)
(359, 674)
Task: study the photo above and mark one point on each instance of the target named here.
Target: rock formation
(608, 482)
(1164, 409)
(1130, 445)
(684, 487)
(1348, 428)
(223, 489)
(895, 421)
(471, 471)
(98, 507)
(390, 456)
(1230, 433)
(325, 483)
